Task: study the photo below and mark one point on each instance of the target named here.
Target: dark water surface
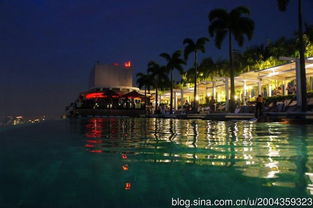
(125, 162)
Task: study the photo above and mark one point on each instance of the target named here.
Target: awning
(132, 95)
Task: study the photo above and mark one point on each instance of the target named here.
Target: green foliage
(194, 47)
(235, 21)
(144, 80)
(158, 76)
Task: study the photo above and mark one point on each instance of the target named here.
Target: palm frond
(219, 38)
(165, 56)
(217, 25)
(239, 11)
(218, 14)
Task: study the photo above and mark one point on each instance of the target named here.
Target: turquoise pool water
(125, 162)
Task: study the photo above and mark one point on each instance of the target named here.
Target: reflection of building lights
(89, 145)
(310, 186)
(96, 151)
(94, 141)
(127, 186)
(125, 167)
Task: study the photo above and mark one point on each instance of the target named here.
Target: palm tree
(234, 23)
(144, 80)
(194, 47)
(173, 62)
(158, 77)
(282, 5)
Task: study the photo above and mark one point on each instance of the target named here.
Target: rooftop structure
(112, 76)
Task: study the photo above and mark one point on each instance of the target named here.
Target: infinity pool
(125, 162)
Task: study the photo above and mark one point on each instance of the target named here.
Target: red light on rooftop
(128, 64)
(95, 95)
(115, 64)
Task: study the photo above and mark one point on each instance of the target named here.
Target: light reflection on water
(280, 153)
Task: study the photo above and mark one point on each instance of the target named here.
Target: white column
(298, 83)
(182, 98)
(214, 90)
(285, 87)
(227, 94)
(269, 94)
(244, 92)
(259, 88)
(175, 100)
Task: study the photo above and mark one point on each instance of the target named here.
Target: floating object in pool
(124, 156)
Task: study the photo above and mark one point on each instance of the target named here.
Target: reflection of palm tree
(282, 5)
(159, 78)
(234, 24)
(173, 62)
(302, 157)
(172, 130)
(230, 141)
(195, 139)
(194, 47)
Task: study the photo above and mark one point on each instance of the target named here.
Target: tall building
(114, 77)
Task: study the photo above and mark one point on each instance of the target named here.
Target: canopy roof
(284, 72)
(132, 95)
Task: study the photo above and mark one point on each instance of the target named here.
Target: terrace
(276, 84)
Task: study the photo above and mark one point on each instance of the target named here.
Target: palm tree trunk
(171, 97)
(145, 98)
(302, 61)
(156, 100)
(232, 76)
(195, 87)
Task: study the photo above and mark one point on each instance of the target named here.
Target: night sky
(47, 47)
